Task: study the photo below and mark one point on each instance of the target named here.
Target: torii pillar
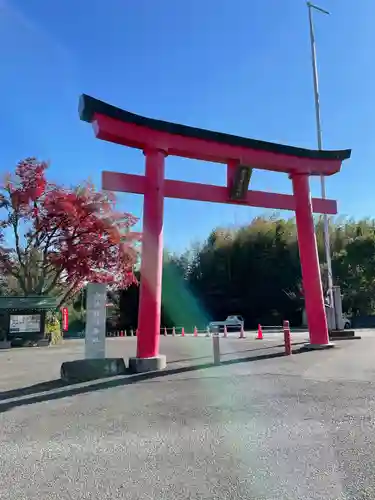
(152, 257)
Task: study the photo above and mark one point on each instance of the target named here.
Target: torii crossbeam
(159, 139)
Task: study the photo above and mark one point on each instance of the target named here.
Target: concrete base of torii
(142, 365)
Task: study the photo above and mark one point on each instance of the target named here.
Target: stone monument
(95, 365)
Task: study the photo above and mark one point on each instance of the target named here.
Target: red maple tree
(53, 240)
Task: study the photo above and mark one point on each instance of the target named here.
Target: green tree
(255, 271)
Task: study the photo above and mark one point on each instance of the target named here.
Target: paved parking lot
(185, 351)
(259, 426)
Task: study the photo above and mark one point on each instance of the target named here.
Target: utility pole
(312, 7)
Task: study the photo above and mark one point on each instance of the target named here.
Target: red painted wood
(129, 183)
(152, 257)
(141, 137)
(231, 169)
(308, 252)
(125, 183)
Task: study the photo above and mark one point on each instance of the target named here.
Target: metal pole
(216, 348)
(319, 139)
(82, 297)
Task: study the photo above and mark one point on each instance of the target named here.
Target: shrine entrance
(159, 139)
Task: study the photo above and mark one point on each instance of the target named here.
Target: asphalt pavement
(260, 426)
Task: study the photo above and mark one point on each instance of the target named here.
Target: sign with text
(25, 323)
(96, 298)
(241, 181)
(65, 319)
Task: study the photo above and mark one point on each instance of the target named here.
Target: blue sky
(241, 67)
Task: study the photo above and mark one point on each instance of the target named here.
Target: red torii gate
(159, 139)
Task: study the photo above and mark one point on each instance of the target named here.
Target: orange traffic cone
(182, 331)
(165, 332)
(260, 333)
(195, 332)
(225, 331)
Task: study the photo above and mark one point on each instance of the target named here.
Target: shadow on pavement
(227, 354)
(64, 390)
